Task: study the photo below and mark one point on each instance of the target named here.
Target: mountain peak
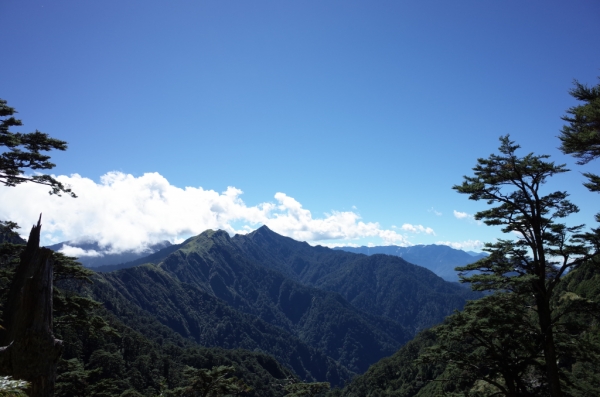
(264, 232)
(264, 229)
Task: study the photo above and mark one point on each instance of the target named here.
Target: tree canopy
(581, 137)
(23, 151)
(513, 339)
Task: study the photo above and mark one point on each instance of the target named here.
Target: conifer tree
(23, 151)
(581, 137)
(29, 349)
(530, 266)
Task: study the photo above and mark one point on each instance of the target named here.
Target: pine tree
(30, 351)
(23, 151)
(581, 137)
(530, 266)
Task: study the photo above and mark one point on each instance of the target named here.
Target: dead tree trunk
(30, 350)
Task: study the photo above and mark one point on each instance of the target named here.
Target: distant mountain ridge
(100, 254)
(440, 259)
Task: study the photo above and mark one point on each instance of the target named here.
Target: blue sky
(356, 111)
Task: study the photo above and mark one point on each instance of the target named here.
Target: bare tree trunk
(30, 350)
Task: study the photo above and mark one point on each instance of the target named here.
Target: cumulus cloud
(291, 219)
(79, 252)
(417, 229)
(123, 212)
(468, 245)
(469, 217)
(462, 215)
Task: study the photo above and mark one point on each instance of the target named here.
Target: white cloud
(468, 245)
(462, 215)
(294, 221)
(337, 245)
(417, 229)
(79, 252)
(469, 217)
(124, 212)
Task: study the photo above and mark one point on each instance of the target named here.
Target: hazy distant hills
(440, 259)
(91, 254)
(323, 313)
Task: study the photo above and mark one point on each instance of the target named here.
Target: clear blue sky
(374, 108)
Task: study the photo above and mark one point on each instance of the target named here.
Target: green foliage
(214, 382)
(73, 312)
(581, 137)
(492, 340)
(399, 375)
(578, 298)
(8, 233)
(69, 307)
(317, 389)
(554, 247)
(72, 379)
(8, 259)
(23, 151)
(127, 362)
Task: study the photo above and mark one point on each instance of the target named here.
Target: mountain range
(440, 259)
(272, 309)
(326, 314)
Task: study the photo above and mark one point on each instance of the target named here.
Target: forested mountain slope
(323, 319)
(402, 376)
(383, 285)
(149, 294)
(141, 355)
(323, 313)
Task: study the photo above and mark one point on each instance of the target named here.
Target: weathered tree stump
(30, 350)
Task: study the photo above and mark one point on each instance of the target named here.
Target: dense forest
(264, 315)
